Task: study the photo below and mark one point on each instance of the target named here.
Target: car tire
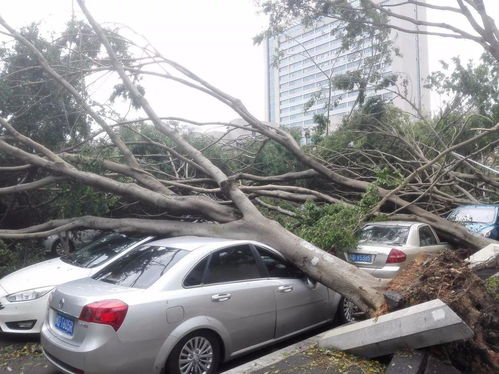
(57, 248)
(200, 348)
(348, 312)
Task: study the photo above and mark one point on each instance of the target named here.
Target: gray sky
(213, 38)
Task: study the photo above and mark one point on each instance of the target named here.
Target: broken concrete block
(435, 366)
(485, 258)
(407, 362)
(415, 327)
(394, 300)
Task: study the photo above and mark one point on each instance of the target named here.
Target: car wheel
(58, 248)
(197, 353)
(349, 312)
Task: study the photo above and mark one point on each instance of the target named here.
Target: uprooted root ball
(446, 277)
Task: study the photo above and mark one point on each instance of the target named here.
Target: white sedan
(384, 249)
(24, 294)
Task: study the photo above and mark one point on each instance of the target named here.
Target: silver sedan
(182, 305)
(386, 247)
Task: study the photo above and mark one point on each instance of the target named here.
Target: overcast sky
(213, 38)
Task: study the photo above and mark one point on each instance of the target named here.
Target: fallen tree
(221, 204)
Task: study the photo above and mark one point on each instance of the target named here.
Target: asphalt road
(22, 355)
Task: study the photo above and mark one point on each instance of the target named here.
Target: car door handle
(221, 297)
(285, 289)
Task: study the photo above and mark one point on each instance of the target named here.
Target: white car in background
(24, 293)
(385, 248)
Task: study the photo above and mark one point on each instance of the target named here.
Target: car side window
(426, 237)
(232, 264)
(278, 267)
(195, 277)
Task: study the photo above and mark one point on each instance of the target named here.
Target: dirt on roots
(445, 276)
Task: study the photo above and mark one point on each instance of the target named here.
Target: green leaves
(329, 226)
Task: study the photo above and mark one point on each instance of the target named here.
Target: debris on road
(447, 277)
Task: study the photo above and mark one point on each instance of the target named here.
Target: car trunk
(68, 301)
(371, 255)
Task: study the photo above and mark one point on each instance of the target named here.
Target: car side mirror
(311, 283)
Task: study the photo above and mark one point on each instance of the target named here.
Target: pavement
(22, 355)
(305, 357)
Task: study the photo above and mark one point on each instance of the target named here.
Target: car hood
(475, 226)
(47, 273)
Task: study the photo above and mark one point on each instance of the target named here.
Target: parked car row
(24, 294)
(385, 248)
(184, 304)
(125, 304)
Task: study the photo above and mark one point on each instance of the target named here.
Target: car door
(428, 240)
(228, 286)
(300, 302)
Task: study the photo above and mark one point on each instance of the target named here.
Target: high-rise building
(300, 60)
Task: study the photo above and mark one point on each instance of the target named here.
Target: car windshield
(473, 214)
(384, 234)
(100, 250)
(141, 267)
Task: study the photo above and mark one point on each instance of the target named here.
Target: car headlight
(28, 295)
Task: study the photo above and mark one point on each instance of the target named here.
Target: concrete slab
(407, 362)
(435, 366)
(485, 258)
(415, 327)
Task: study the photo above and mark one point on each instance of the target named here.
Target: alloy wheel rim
(59, 248)
(196, 356)
(348, 310)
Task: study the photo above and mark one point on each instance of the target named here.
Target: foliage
(469, 84)
(18, 254)
(274, 159)
(330, 226)
(39, 108)
(334, 227)
(76, 200)
(492, 285)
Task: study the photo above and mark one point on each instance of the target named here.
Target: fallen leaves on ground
(343, 362)
(13, 352)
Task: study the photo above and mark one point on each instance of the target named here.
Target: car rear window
(141, 267)
(384, 234)
(473, 214)
(100, 250)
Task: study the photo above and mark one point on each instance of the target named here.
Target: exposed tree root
(446, 277)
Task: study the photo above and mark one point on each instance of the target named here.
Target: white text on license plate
(64, 323)
(361, 258)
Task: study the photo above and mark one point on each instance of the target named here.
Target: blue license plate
(361, 258)
(64, 324)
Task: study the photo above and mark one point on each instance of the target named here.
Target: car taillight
(106, 312)
(395, 257)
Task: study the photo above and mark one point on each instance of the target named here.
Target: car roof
(393, 223)
(190, 243)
